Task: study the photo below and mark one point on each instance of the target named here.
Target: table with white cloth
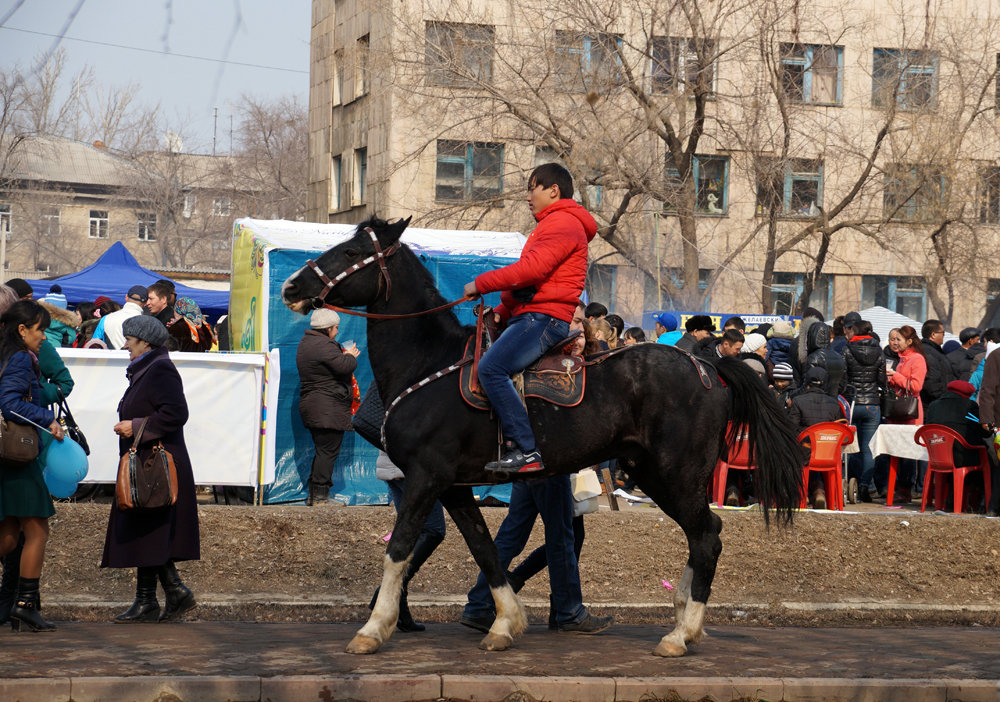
(896, 440)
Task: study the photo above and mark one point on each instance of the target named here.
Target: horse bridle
(379, 257)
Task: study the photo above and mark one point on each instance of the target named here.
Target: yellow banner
(246, 301)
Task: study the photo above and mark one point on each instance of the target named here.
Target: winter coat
(112, 324)
(688, 342)
(910, 373)
(19, 381)
(950, 410)
(62, 329)
(864, 376)
(989, 390)
(814, 352)
(139, 538)
(190, 338)
(550, 275)
(812, 406)
(55, 375)
(779, 350)
(939, 372)
(325, 374)
(670, 338)
(964, 361)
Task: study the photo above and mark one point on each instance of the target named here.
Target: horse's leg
(686, 503)
(510, 619)
(413, 511)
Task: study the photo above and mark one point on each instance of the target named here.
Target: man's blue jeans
(861, 465)
(551, 498)
(523, 342)
(434, 526)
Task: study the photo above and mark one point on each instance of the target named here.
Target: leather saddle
(556, 377)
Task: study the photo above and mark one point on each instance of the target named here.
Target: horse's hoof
(496, 642)
(362, 645)
(668, 649)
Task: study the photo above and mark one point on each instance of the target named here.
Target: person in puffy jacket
(539, 295)
(814, 352)
(811, 406)
(864, 383)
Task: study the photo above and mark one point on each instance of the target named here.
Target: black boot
(179, 598)
(24, 615)
(145, 608)
(422, 550)
(318, 495)
(8, 581)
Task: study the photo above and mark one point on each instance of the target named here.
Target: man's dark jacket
(812, 404)
(964, 361)
(939, 372)
(950, 410)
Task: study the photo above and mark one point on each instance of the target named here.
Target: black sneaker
(482, 624)
(589, 625)
(516, 461)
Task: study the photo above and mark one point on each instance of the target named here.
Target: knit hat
(668, 320)
(146, 328)
(781, 330)
(101, 299)
(753, 342)
(323, 318)
(961, 387)
(949, 346)
(782, 371)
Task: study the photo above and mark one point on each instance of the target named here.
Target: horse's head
(349, 274)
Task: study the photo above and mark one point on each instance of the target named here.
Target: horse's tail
(773, 444)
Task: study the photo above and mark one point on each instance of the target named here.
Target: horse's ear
(394, 230)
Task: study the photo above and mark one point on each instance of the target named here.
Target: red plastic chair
(826, 442)
(737, 458)
(940, 442)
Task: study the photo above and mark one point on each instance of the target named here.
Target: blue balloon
(66, 461)
(58, 488)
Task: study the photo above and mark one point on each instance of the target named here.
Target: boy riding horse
(540, 294)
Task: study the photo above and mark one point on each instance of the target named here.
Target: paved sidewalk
(295, 661)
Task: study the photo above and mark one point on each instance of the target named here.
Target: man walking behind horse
(539, 295)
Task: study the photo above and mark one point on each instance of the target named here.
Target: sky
(256, 47)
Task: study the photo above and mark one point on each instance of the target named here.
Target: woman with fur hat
(325, 372)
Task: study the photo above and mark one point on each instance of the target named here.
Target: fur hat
(146, 328)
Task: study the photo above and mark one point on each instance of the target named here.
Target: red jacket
(553, 261)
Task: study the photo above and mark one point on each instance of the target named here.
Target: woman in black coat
(325, 372)
(152, 540)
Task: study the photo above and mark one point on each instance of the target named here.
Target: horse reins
(379, 257)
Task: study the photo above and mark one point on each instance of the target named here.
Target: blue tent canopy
(114, 273)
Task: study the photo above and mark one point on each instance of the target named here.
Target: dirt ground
(288, 562)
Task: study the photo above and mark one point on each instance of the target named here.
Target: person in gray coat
(325, 371)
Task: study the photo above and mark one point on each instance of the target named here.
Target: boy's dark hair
(595, 309)
(991, 334)
(549, 174)
(732, 336)
(931, 326)
(635, 333)
(166, 289)
(617, 322)
(735, 323)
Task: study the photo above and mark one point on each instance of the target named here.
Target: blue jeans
(523, 342)
(551, 498)
(435, 520)
(861, 465)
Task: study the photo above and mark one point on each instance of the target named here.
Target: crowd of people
(34, 380)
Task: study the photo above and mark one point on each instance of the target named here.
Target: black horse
(648, 405)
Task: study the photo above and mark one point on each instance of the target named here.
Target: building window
(50, 221)
(147, 226)
(99, 224)
(587, 61)
(190, 202)
(786, 289)
(903, 294)
(5, 215)
(338, 76)
(654, 298)
(468, 171)
(711, 177)
(989, 195)
(908, 77)
(794, 187)
(675, 66)
(812, 73)
(913, 193)
(221, 207)
(361, 78)
(459, 54)
(336, 176)
(360, 176)
(546, 154)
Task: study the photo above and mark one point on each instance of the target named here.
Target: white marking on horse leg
(382, 621)
(688, 630)
(510, 621)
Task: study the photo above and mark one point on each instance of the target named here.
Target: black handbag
(900, 404)
(19, 443)
(73, 430)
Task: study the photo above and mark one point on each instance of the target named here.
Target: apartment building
(736, 155)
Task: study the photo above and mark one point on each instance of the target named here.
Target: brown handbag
(150, 483)
(19, 443)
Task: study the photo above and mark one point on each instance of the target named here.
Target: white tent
(884, 320)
